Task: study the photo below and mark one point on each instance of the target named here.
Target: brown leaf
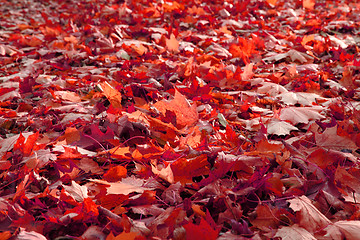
(330, 139)
(300, 114)
(348, 229)
(308, 215)
(294, 233)
(278, 127)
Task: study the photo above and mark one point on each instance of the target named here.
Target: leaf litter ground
(179, 119)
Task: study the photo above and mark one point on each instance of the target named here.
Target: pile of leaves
(179, 119)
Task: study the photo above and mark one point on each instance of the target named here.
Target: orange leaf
(87, 211)
(172, 44)
(119, 151)
(71, 135)
(5, 235)
(307, 38)
(113, 95)
(186, 115)
(309, 4)
(126, 236)
(185, 169)
(272, 2)
(29, 144)
(164, 173)
(139, 49)
(116, 173)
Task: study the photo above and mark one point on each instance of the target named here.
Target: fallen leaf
(172, 44)
(278, 127)
(79, 193)
(303, 98)
(309, 4)
(300, 114)
(186, 115)
(32, 235)
(113, 95)
(331, 140)
(203, 231)
(125, 186)
(164, 173)
(294, 232)
(340, 229)
(115, 174)
(308, 215)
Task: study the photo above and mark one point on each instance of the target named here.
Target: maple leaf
(185, 169)
(309, 4)
(111, 94)
(294, 232)
(341, 229)
(330, 139)
(248, 72)
(172, 194)
(186, 115)
(308, 215)
(87, 210)
(125, 186)
(164, 173)
(79, 193)
(273, 89)
(68, 96)
(203, 230)
(278, 127)
(343, 177)
(170, 219)
(119, 151)
(172, 44)
(300, 114)
(126, 236)
(305, 99)
(115, 174)
(93, 232)
(266, 217)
